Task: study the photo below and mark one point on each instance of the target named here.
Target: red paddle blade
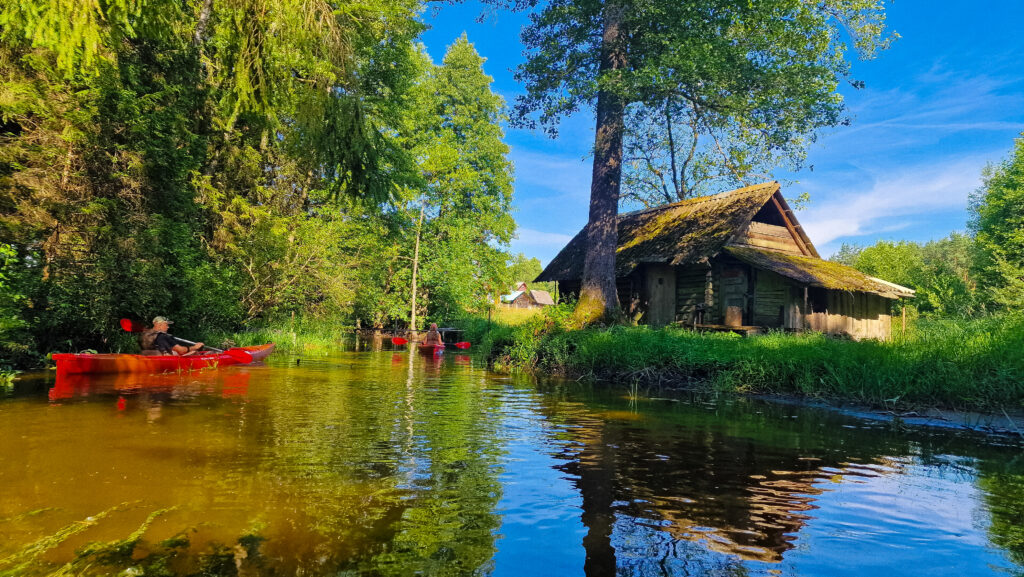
(398, 341)
(239, 355)
(462, 345)
(132, 326)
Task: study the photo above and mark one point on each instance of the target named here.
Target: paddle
(462, 345)
(132, 326)
(239, 355)
(398, 341)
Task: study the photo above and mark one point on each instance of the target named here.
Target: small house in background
(735, 260)
(524, 298)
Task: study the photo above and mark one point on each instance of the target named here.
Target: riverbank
(963, 365)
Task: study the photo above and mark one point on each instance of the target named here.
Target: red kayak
(71, 363)
(431, 349)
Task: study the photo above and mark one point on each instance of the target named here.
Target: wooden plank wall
(691, 290)
(858, 315)
(773, 296)
(770, 236)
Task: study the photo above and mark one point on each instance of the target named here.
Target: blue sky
(944, 101)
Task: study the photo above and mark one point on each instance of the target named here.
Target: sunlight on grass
(963, 363)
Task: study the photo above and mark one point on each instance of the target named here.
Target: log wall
(768, 300)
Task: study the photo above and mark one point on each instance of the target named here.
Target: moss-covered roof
(817, 272)
(674, 234)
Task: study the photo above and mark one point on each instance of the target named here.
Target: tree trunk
(204, 16)
(415, 269)
(598, 297)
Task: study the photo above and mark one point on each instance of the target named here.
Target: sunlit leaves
(998, 222)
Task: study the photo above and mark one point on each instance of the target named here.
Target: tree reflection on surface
(389, 463)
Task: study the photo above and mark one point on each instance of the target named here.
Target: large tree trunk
(598, 297)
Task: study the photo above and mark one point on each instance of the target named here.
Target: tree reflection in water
(389, 463)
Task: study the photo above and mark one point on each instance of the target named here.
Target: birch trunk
(415, 268)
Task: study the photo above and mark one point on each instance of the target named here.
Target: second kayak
(431, 349)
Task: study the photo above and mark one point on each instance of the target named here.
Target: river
(384, 463)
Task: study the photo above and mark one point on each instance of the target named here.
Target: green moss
(811, 270)
(682, 231)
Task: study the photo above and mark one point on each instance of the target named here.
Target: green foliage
(466, 189)
(719, 91)
(234, 163)
(940, 271)
(963, 364)
(521, 268)
(998, 224)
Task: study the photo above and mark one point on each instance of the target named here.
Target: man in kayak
(158, 341)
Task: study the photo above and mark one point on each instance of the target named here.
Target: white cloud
(936, 102)
(892, 201)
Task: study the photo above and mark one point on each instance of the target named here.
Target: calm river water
(382, 463)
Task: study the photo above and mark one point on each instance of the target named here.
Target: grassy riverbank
(960, 364)
(298, 337)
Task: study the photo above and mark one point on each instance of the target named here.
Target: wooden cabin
(525, 298)
(735, 260)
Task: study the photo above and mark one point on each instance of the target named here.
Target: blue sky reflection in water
(944, 101)
(381, 463)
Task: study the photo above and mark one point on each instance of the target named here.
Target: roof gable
(776, 219)
(676, 233)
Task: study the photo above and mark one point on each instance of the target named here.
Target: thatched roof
(542, 297)
(701, 228)
(675, 234)
(817, 272)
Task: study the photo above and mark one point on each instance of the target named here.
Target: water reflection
(733, 487)
(384, 462)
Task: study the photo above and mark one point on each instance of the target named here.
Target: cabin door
(661, 295)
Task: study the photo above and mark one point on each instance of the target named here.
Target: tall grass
(962, 364)
(301, 336)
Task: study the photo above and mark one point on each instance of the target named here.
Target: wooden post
(806, 312)
(903, 313)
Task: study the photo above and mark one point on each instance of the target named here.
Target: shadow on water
(383, 462)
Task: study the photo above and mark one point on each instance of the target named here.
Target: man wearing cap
(158, 341)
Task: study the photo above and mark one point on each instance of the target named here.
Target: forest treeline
(966, 274)
(230, 163)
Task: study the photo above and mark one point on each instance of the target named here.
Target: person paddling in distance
(433, 336)
(158, 341)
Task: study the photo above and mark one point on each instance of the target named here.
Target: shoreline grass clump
(960, 364)
(290, 337)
